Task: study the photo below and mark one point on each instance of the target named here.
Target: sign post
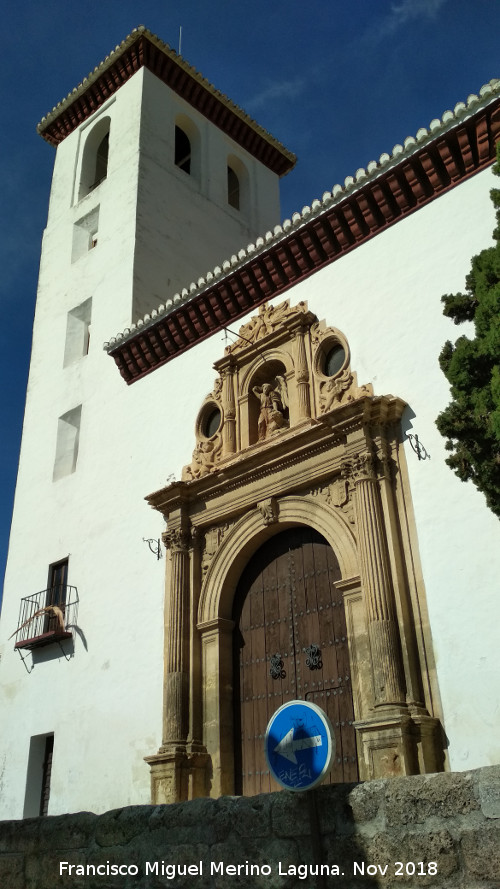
(300, 745)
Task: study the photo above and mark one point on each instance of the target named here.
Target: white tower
(158, 177)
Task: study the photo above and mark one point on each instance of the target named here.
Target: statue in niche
(273, 405)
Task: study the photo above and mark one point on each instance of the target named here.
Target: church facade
(269, 428)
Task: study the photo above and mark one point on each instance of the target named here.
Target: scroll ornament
(205, 457)
(265, 322)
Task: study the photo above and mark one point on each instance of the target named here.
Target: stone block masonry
(440, 831)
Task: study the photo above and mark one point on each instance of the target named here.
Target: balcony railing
(46, 617)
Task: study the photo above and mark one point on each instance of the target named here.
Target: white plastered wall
(104, 704)
(385, 297)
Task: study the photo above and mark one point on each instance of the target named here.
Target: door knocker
(277, 671)
(314, 661)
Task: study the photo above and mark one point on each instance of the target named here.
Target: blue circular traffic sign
(300, 745)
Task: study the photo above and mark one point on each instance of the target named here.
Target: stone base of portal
(178, 773)
(393, 743)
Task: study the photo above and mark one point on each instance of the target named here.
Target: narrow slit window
(182, 150)
(78, 332)
(46, 774)
(233, 189)
(85, 234)
(36, 800)
(68, 435)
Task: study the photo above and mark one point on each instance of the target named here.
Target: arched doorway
(287, 442)
(290, 642)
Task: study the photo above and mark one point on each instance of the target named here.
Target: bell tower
(158, 178)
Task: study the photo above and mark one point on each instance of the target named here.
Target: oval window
(212, 423)
(334, 360)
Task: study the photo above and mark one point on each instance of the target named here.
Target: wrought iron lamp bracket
(155, 546)
(418, 447)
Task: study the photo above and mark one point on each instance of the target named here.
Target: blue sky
(337, 82)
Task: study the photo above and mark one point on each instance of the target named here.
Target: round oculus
(212, 423)
(334, 359)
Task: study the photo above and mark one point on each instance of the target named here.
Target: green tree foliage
(471, 423)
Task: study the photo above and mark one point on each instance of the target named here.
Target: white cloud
(285, 89)
(412, 9)
(401, 13)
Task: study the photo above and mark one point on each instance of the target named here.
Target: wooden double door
(290, 643)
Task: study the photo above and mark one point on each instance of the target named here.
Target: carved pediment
(285, 370)
(267, 321)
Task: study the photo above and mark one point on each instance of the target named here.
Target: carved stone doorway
(290, 643)
(286, 439)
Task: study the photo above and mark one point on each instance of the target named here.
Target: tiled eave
(318, 237)
(143, 49)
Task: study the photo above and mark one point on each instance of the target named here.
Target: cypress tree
(471, 422)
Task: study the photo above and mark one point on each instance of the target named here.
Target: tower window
(85, 234)
(68, 435)
(78, 332)
(233, 189)
(182, 150)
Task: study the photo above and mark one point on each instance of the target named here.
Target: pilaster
(175, 710)
(386, 736)
(179, 769)
(228, 401)
(302, 375)
(388, 677)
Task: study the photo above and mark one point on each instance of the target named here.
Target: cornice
(143, 49)
(250, 472)
(437, 160)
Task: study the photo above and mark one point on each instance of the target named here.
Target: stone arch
(270, 356)
(250, 532)
(215, 624)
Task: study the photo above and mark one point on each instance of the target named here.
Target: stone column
(229, 428)
(171, 766)
(302, 376)
(389, 684)
(176, 688)
(387, 741)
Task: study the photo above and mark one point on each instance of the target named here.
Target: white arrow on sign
(287, 746)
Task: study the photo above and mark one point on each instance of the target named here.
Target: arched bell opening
(95, 156)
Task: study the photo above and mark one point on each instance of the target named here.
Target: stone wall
(443, 829)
